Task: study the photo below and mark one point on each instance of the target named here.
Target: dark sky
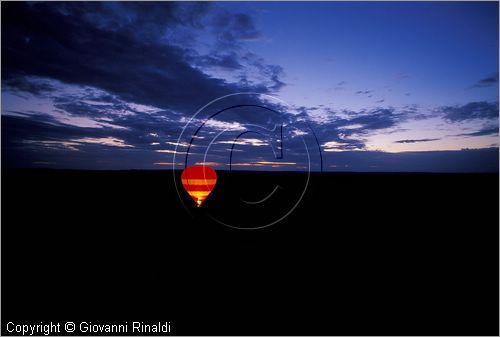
(379, 86)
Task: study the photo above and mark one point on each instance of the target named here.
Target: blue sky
(110, 85)
(434, 51)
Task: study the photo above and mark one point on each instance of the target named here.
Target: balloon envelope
(198, 181)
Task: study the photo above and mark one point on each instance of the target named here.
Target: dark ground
(363, 254)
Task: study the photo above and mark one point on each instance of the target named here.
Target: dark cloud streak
(410, 141)
(487, 81)
(469, 111)
(483, 132)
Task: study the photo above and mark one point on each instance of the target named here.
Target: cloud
(223, 125)
(108, 141)
(483, 132)
(34, 85)
(54, 144)
(379, 118)
(171, 151)
(148, 22)
(235, 27)
(401, 76)
(469, 111)
(95, 45)
(119, 75)
(487, 81)
(114, 81)
(409, 141)
(363, 92)
(227, 61)
(265, 163)
(345, 130)
(246, 141)
(343, 145)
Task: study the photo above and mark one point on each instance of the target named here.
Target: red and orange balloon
(199, 180)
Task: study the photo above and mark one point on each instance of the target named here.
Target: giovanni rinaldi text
(52, 328)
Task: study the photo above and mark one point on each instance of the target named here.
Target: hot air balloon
(198, 181)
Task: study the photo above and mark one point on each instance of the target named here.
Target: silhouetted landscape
(362, 254)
